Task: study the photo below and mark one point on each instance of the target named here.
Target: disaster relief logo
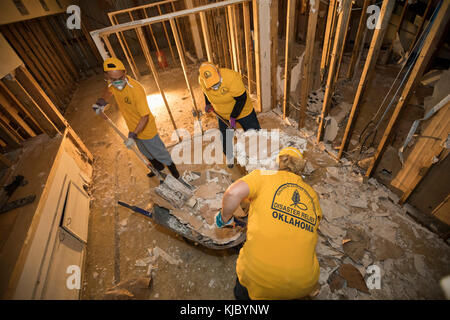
(293, 205)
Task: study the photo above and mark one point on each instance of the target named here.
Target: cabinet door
(76, 212)
(64, 277)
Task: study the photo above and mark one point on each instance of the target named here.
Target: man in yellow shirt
(278, 260)
(226, 95)
(132, 102)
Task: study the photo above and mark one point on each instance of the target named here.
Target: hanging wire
(410, 63)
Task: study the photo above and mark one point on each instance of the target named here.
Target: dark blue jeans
(247, 123)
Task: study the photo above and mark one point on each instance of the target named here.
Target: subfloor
(412, 259)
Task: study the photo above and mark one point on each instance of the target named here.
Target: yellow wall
(10, 60)
(9, 12)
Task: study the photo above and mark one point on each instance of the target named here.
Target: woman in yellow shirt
(278, 260)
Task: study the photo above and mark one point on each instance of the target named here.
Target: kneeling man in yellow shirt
(278, 260)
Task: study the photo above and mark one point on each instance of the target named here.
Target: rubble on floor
(363, 226)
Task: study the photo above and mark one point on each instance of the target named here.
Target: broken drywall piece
(357, 245)
(331, 129)
(419, 264)
(353, 277)
(158, 252)
(332, 210)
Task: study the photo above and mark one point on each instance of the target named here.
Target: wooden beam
(178, 26)
(308, 62)
(7, 135)
(335, 57)
(248, 50)
(274, 52)
(256, 39)
(232, 33)
(61, 51)
(31, 106)
(195, 32)
(34, 89)
(183, 63)
(369, 66)
(206, 37)
(328, 36)
(358, 40)
(341, 53)
(27, 115)
(33, 62)
(178, 14)
(13, 113)
(149, 5)
(151, 65)
(290, 40)
(437, 29)
(126, 50)
(423, 153)
(109, 47)
(167, 35)
(5, 162)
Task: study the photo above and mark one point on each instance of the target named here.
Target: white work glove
(129, 143)
(99, 106)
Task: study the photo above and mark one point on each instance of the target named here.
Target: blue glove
(219, 222)
(208, 108)
(233, 123)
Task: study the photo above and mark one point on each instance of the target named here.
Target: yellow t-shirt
(132, 102)
(223, 100)
(278, 260)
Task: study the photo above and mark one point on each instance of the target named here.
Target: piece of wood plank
(13, 113)
(341, 53)
(307, 62)
(274, 52)
(442, 211)
(109, 47)
(369, 66)
(178, 26)
(437, 29)
(358, 40)
(21, 108)
(31, 106)
(8, 135)
(34, 89)
(335, 57)
(155, 75)
(328, 36)
(290, 39)
(248, 49)
(206, 38)
(232, 33)
(257, 51)
(423, 153)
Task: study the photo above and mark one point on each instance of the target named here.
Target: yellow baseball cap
(290, 151)
(111, 64)
(209, 74)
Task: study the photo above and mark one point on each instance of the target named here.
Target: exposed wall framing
(56, 56)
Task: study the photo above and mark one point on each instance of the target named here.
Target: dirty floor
(412, 259)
